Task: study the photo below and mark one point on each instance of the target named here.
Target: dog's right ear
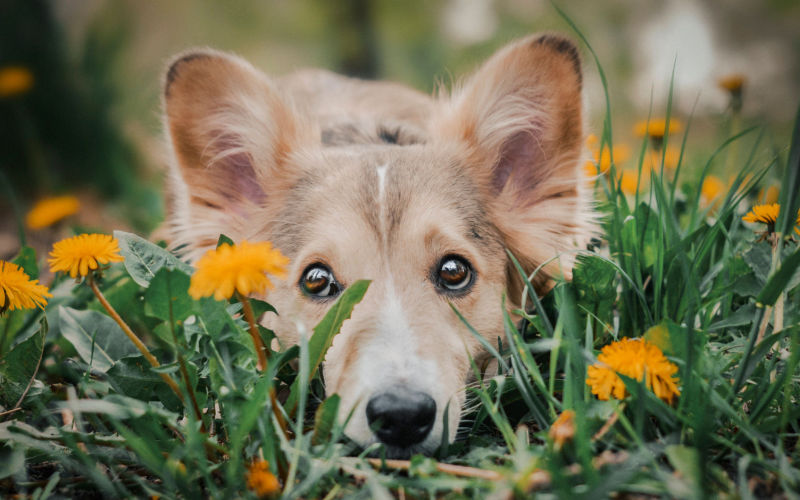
(230, 130)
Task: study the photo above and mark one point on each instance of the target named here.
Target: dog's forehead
(387, 189)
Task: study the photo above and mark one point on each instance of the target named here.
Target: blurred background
(80, 79)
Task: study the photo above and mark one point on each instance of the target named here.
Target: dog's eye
(318, 281)
(454, 274)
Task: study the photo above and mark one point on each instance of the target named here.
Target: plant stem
(132, 336)
(251, 320)
(262, 359)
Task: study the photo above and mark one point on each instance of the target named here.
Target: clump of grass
(84, 413)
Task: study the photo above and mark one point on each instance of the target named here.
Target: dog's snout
(401, 417)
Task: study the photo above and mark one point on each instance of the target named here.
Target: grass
(85, 415)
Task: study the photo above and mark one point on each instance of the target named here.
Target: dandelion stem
(251, 320)
(262, 358)
(132, 336)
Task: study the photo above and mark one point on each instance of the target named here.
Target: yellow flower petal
(51, 210)
(80, 254)
(657, 127)
(563, 429)
(15, 80)
(260, 480)
(633, 358)
(239, 268)
(18, 290)
(766, 214)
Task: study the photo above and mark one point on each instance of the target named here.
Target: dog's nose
(401, 417)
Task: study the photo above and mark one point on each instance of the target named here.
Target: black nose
(401, 417)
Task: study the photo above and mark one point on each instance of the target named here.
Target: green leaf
(325, 419)
(759, 259)
(131, 376)
(167, 297)
(686, 462)
(99, 341)
(12, 461)
(143, 259)
(223, 239)
(26, 259)
(595, 279)
(778, 282)
(324, 332)
(19, 366)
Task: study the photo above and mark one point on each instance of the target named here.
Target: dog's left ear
(519, 117)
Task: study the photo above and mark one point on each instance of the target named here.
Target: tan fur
(299, 161)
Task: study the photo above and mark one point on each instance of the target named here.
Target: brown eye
(454, 274)
(318, 282)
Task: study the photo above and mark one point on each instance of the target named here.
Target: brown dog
(354, 179)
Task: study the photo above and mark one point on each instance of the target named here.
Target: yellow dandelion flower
(652, 159)
(732, 83)
(592, 141)
(242, 268)
(602, 160)
(563, 429)
(712, 188)
(766, 214)
(657, 128)
(629, 180)
(80, 254)
(18, 290)
(637, 359)
(260, 480)
(48, 211)
(15, 80)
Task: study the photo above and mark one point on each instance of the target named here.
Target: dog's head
(419, 195)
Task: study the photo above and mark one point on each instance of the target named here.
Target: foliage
(86, 414)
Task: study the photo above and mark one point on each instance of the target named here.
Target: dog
(356, 179)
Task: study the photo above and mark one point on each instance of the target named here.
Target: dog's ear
(519, 117)
(231, 132)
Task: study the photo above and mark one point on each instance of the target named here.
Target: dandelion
(83, 253)
(563, 429)
(766, 214)
(629, 182)
(637, 359)
(602, 160)
(48, 211)
(15, 80)
(241, 268)
(734, 85)
(657, 128)
(652, 159)
(712, 188)
(260, 480)
(18, 290)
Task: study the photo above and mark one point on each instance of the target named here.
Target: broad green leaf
(12, 461)
(19, 366)
(759, 258)
(324, 332)
(26, 259)
(167, 297)
(99, 341)
(595, 279)
(143, 259)
(131, 376)
(778, 282)
(686, 462)
(325, 419)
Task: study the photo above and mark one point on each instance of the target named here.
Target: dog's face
(425, 213)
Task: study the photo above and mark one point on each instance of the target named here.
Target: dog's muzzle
(401, 417)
